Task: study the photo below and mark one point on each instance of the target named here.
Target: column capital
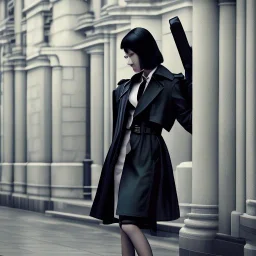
(95, 50)
(7, 66)
(227, 2)
(65, 57)
(20, 64)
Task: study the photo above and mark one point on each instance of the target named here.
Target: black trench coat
(147, 187)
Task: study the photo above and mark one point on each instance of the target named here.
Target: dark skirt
(140, 222)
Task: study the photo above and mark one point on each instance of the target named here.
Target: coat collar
(152, 90)
(161, 71)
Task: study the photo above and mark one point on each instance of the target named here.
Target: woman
(136, 186)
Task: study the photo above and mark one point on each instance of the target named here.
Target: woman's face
(133, 60)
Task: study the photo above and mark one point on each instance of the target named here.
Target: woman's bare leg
(126, 244)
(138, 239)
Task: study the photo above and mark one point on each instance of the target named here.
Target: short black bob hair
(141, 41)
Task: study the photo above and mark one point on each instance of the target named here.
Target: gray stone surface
(33, 234)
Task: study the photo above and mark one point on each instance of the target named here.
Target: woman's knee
(128, 228)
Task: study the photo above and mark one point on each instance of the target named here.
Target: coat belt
(143, 128)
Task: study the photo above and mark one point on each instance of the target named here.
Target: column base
(235, 223)
(38, 179)
(39, 204)
(25, 202)
(183, 252)
(185, 209)
(6, 198)
(67, 180)
(200, 229)
(227, 245)
(20, 201)
(7, 177)
(95, 175)
(224, 245)
(19, 182)
(87, 179)
(248, 229)
(197, 245)
(250, 249)
(184, 187)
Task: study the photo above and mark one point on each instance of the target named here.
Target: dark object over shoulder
(183, 46)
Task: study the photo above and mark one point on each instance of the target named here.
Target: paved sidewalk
(34, 234)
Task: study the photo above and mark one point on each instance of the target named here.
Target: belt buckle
(136, 129)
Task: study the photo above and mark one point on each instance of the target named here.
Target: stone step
(78, 211)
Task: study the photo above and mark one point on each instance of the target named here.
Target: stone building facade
(60, 61)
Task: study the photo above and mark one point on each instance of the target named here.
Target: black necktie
(141, 88)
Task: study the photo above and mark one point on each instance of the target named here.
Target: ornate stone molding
(37, 7)
(93, 40)
(64, 57)
(37, 61)
(18, 60)
(146, 8)
(85, 22)
(227, 2)
(113, 15)
(99, 49)
(7, 30)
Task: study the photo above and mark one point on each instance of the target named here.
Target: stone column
(183, 182)
(68, 127)
(96, 8)
(1, 108)
(87, 159)
(20, 81)
(240, 116)
(20, 85)
(227, 114)
(112, 76)
(112, 2)
(57, 113)
(202, 223)
(2, 10)
(248, 220)
(8, 134)
(107, 99)
(17, 23)
(39, 134)
(68, 131)
(69, 74)
(97, 114)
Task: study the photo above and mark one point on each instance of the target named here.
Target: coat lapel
(152, 90)
(127, 85)
(125, 89)
(124, 95)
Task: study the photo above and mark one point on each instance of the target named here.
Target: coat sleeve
(115, 96)
(182, 105)
(114, 109)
